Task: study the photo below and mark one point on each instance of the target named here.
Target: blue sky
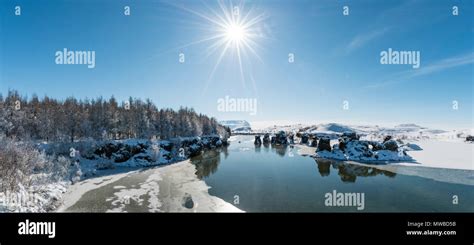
(337, 57)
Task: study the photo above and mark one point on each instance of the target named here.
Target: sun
(235, 32)
(232, 29)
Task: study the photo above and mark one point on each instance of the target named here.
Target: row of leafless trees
(100, 119)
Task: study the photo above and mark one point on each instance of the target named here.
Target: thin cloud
(438, 66)
(445, 64)
(362, 39)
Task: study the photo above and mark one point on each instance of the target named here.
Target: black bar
(205, 226)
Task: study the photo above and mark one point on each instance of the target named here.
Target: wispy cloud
(364, 38)
(444, 64)
(434, 67)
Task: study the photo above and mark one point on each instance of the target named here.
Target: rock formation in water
(280, 138)
(257, 141)
(266, 138)
(304, 138)
(350, 147)
(273, 140)
(324, 144)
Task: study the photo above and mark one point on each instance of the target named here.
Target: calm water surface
(277, 179)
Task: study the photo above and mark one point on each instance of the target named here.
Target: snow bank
(445, 154)
(428, 147)
(170, 188)
(350, 148)
(144, 153)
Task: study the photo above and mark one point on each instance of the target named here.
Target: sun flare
(235, 33)
(235, 30)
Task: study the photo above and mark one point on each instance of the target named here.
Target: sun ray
(214, 47)
(236, 32)
(217, 36)
(216, 14)
(216, 65)
(240, 66)
(254, 21)
(252, 50)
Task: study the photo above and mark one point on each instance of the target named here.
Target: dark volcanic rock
(166, 145)
(324, 144)
(188, 201)
(387, 138)
(122, 156)
(266, 138)
(120, 152)
(107, 150)
(257, 141)
(195, 150)
(281, 138)
(391, 145)
(342, 144)
(350, 136)
(124, 151)
(470, 138)
(376, 146)
(211, 142)
(314, 143)
(304, 138)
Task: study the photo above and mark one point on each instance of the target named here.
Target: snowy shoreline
(418, 146)
(98, 164)
(170, 188)
(429, 157)
(168, 183)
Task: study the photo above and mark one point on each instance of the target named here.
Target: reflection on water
(208, 163)
(271, 178)
(280, 150)
(349, 172)
(258, 149)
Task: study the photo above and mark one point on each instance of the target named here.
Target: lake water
(278, 179)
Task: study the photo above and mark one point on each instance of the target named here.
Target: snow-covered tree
(50, 120)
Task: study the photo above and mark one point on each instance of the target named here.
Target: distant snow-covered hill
(237, 125)
(372, 132)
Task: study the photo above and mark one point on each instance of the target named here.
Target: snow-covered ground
(170, 188)
(34, 199)
(412, 131)
(444, 154)
(85, 165)
(175, 187)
